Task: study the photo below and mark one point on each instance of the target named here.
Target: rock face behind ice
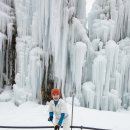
(7, 52)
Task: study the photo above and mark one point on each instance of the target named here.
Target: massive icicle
(49, 23)
(108, 21)
(29, 73)
(59, 49)
(7, 20)
(98, 78)
(116, 16)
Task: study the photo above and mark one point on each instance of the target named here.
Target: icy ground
(32, 114)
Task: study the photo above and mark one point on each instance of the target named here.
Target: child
(57, 106)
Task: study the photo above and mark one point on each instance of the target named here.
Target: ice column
(98, 78)
(55, 27)
(112, 51)
(7, 20)
(29, 74)
(124, 70)
(88, 90)
(3, 39)
(79, 50)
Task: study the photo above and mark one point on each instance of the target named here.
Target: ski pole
(72, 110)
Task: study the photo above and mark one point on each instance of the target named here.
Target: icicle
(98, 78)
(55, 26)
(64, 49)
(88, 90)
(8, 2)
(79, 32)
(81, 11)
(103, 29)
(29, 70)
(24, 17)
(3, 39)
(95, 44)
(114, 101)
(124, 65)
(4, 20)
(119, 23)
(5, 8)
(78, 59)
(113, 10)
(127, 19)
(10, 30)
(37, 73)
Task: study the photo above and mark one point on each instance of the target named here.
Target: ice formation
(89, 94)
(7, 20)
(29, 71)
(98, 77)
(108, 26)
(52, 44)
(57, 29)
(111, 17)
(58, 45)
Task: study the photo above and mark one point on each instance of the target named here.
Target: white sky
(31, 114)
(89, 5)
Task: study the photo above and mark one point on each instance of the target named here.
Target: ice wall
(56, 27)
(52, 44)
(3, 39)
(7, 20)
(109, 19)
(124, 70)
(29, 73)
(108, 29)
(98, 78)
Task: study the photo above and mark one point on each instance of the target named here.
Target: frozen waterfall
(108, 29)
(54, 45)
(7, 43)
(57, 29)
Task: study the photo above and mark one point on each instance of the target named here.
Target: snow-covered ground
(32, 114)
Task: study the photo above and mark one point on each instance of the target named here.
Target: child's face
(56, 97)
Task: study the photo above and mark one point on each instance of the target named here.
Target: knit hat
(55, 91)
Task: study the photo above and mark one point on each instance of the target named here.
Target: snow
(6, 95)
(52, 44)
(32, 114)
